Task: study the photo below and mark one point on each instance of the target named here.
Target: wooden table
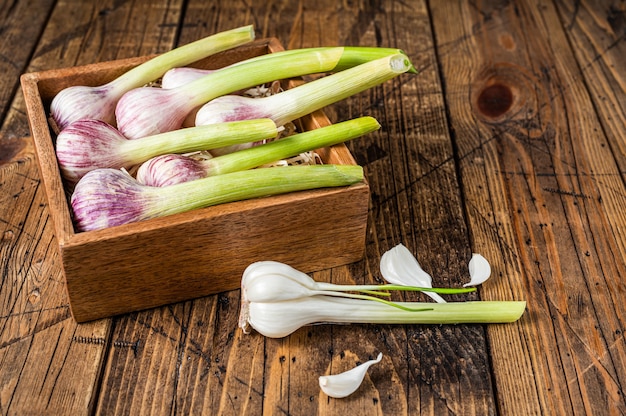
(511, 142)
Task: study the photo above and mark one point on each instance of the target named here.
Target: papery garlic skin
(344, 384)
(80, 102)
(272, 281)
(177, 77)
(279, 319)
(147, 111)
(256, 274)
(231, 108)
(264, 282)
(167, 170)
(479, 270)
(108, 197)
(399, 266)
(86, 143)
(275, 288)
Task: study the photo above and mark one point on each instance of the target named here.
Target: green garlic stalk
(98, 103)
(147, 111)
(277, 300)
(109, 197)
(167, 170)
(86, 145)
(296, 102)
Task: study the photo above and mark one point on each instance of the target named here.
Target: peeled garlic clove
(479, 270)
(400, 267)
(344, 384)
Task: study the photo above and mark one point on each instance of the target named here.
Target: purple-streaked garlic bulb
(86, 145)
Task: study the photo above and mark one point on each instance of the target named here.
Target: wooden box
(197, 253)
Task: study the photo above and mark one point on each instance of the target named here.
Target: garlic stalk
(399, 266)
(344, 384)
(110, 197)
(85, 145)
(80, 102)
(294, 103)
(352, 56)
(148, 111)
(276, 300)
(180, 76)
(177, 77)
(168, 169)
(279, 319)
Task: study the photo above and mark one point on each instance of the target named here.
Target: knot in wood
(495, 100)
(501, 91)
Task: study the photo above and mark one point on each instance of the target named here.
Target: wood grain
(415, 201)
(13, 61)
(509, 142)
(52, 364)
(528, 150)
(42, 350)
(596, 31)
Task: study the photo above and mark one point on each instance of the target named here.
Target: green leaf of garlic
(344, 384)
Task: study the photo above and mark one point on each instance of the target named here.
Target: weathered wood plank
(49, 364)
(537, 189)
(598, 35)
(79, 33)
(13, 61)
(157, 357)
(597, 32)
(415, 201)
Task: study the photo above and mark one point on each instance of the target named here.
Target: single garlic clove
(479, 270)
(400, 267)
(344, 384)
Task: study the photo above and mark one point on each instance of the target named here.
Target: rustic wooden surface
(510, 142)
